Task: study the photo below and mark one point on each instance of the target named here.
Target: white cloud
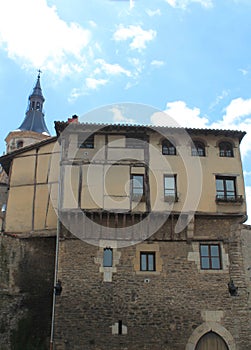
(90, 84)
(152, 13)
(132, 4)
(92, 24)
(33, 34)
(243, 71)
(237, 117)
(112, 69)
(219, 98)
(93, 84)
(118, 116)
(184, 3)
(157, 63)
(247, 173)
(181, 115)
(237, 109)
(138, 35)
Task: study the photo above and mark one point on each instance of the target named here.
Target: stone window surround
(194, 255)
(107, 271)
(148, 247)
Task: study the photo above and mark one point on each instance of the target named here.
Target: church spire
(33, 129)
(34, 118)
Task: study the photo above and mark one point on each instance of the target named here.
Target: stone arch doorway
(210, 327)
(211, 340)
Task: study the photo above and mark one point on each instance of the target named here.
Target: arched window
(226, 149)
(198, 149)
(107, 258)
(20, 144)
(38, 106)
(211, 340)
(168, 148)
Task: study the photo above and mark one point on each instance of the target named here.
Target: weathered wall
(161, 309)
(33, 186)
(26, 285)
(246, 252)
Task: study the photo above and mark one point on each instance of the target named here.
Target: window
(108, 257)
(147, 261)
(135, 141)
(210, 258)
(138, 187)
(38, 106)
(88, 142)
(170, 189)
(168, 148)
(226, 189)
(198, 149)
(20, 144)
(226, 149)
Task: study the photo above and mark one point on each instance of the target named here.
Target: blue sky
(191, 58)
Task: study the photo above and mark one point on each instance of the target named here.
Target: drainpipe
(56, 253)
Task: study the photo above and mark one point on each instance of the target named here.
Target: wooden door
(211, 341)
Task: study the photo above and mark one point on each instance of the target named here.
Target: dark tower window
(38, 106)
(226, 149)
(33, 105)
(20, 144)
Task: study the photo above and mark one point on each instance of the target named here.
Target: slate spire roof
(34, 117)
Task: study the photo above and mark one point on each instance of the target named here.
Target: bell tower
(33, 127)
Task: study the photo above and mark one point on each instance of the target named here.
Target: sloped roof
(60, 127)
(6, 159)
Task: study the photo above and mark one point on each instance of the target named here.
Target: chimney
(73, 119)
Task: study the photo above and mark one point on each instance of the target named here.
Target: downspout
(57, 252)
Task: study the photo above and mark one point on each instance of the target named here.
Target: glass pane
(143, 262)
(172, 150)
(137, 184)
(169, 192)
(230, 185)
(214, 250)
(107, 260)
(204, 250)
(215, 263)
(169, 182)
(219, 185)
(138, 180)
(164, 149)
(205, 263)
(150, 262)
(200, 151)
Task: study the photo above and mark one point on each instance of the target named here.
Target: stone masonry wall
(157, 310)
(26, 286)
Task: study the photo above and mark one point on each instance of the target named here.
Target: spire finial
(39, 72)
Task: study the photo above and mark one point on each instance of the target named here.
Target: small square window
(147, 261)
(210, 257)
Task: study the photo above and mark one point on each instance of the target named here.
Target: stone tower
(33, 127)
